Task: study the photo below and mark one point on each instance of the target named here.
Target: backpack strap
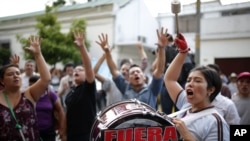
(220, 127)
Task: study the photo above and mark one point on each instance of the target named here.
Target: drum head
(140, 120)
(130, 115)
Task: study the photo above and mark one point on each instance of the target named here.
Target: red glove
(181, 43)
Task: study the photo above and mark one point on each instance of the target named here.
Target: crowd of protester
(51, 103)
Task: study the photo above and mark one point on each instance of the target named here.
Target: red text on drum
(141, 134)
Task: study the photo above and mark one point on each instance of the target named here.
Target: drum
(131, 119)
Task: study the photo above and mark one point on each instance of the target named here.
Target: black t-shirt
(81, 110)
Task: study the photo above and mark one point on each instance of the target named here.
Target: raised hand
(79, 38)
(181, 43)
(103, 42)
(34, 47)
(139, 46)
(162, 38)
(15, 59)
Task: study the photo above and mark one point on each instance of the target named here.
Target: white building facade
(224, 33)
(125, 21)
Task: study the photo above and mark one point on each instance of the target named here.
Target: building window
(235, 12)
(187, 23)
(5, 52)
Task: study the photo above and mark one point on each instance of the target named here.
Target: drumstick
(176, 8)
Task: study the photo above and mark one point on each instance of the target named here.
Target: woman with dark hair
(197, 119)
(17, 109)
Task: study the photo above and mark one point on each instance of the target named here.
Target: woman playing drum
(201, 121)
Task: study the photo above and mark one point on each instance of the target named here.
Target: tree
(56, 46)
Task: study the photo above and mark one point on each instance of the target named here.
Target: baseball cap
(243, 75)
(233, 75)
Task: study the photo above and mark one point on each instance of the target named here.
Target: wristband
(184, 51)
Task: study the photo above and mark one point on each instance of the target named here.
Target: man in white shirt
(66, 82)
(29, 70)
(227, 109)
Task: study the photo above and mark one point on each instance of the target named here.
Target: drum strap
(220, 127)
(193, 117)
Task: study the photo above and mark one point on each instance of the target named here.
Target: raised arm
(103, 42)
(79, 41)
(144, 57)
(173, 72)
(96, 68)
(154, 63)
(160, 61)
(15, 59)
(37, 89)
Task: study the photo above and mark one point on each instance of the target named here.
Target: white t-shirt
(204, 128)
(65, 79)
(25, 81)
(242, 105)
(227, 109)
(113, 94)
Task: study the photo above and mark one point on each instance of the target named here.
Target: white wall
(121, 25)
(95, 28)
(9, 30)
(168, 22)
(224, 37)
(134, 20)
(212, 49)
(225, 25)
(220, 37)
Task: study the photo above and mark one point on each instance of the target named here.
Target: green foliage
(59, 3)
(78, 24)
(56, 46)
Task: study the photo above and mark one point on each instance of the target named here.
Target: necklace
(18, 126)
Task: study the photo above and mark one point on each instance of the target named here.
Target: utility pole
(197, 37)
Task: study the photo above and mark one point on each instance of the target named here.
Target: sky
(16, 7)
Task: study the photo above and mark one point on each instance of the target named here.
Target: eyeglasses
(78, 70)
